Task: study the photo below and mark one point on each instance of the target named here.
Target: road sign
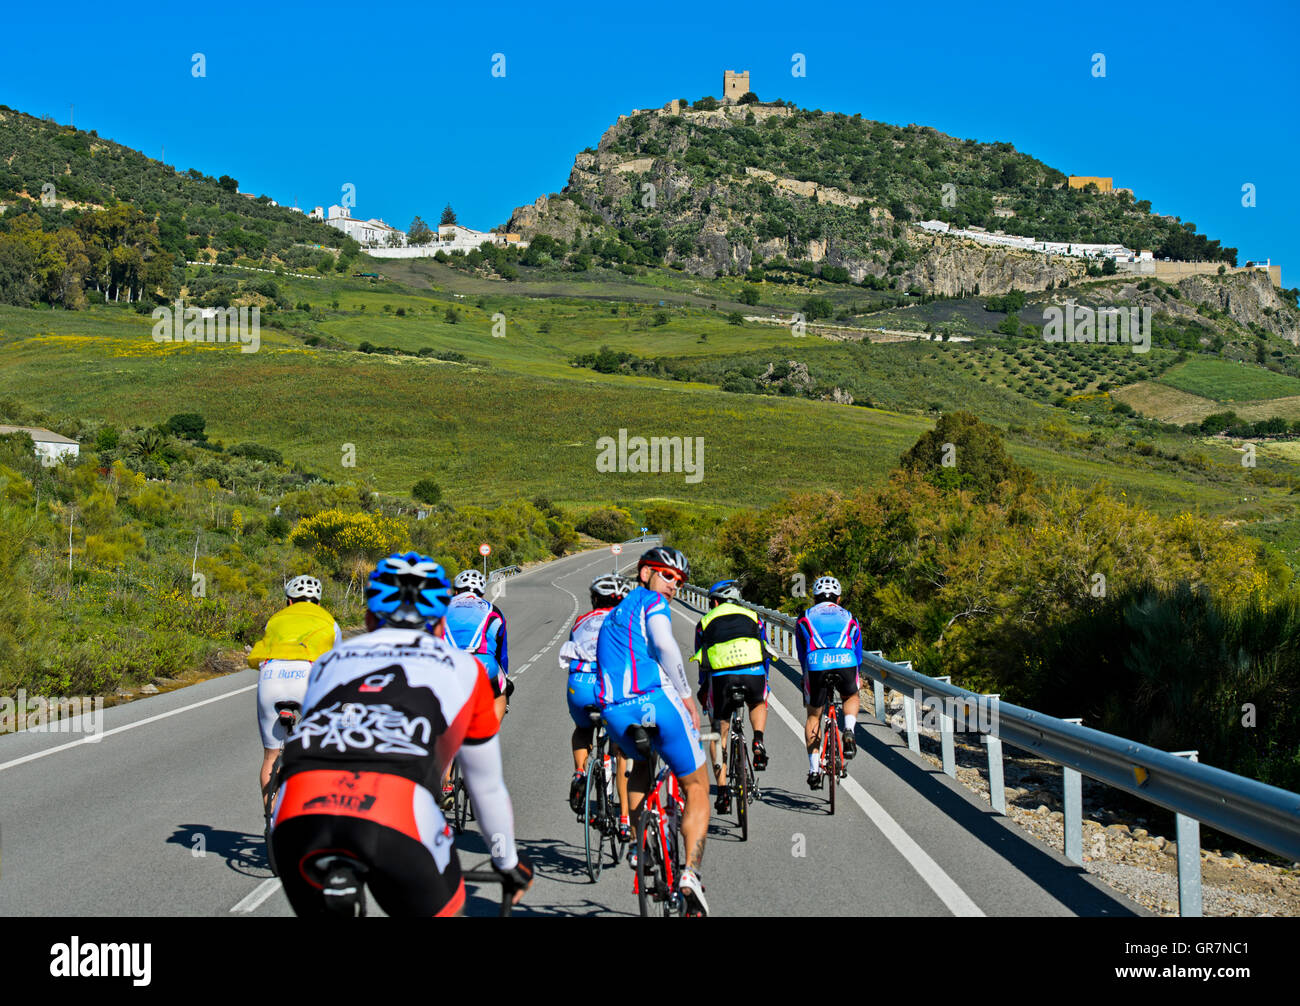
(616, 549)
(644, 530)
(485, 549)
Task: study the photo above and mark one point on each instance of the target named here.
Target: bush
(427, 491)
(187, 425)
(258, 453)
(608, 524)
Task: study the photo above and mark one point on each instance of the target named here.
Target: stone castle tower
(734, 85)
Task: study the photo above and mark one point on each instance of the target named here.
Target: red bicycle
(832, 759)
(658, 845)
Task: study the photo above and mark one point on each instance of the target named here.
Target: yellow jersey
(301, 631)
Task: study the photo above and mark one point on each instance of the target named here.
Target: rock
(149, 689)
(1056, 815)
(1139, 832)
(1159, 842)
(1122, 828)
(1041, 809)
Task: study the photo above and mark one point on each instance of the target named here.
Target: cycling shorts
(281, 681)
(676, 739)
(816, 684)
(389, 824)
(755, 686)
(581, 694)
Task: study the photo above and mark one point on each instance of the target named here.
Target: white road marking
(255, 898)
(96, 738)
(564, 626)
(944, 887)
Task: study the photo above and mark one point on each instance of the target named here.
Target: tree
(961, 452)
(448, 216)
(228, 183)
(451, 315)
(325, 263)
(748, 98)
(748, 295)
(419, 233)
(706, 104)
(188, 425)
(427, 491)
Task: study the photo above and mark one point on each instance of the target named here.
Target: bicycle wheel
(593, 816)
(460, 809)
(831, 764)
(649, 865)
(737, 781)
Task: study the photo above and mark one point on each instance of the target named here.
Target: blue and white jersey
(635, 650)
(827, 637)
(477, 626)
(578, 655)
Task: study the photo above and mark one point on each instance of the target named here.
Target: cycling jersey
(827, 637)
(398, 703)
(635, 649)
(299, 631)
(729, 640)
(477, 626)
(578, 655)
(642, 681)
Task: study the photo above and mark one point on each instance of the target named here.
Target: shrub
(427, 491)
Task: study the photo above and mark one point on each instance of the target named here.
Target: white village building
(369, 233)
(50, 446)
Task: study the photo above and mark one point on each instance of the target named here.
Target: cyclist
(384, 713)
(829, 643)
(642, 683)
(578, 655)
(729, 647)
(295, 636)
(476, 625)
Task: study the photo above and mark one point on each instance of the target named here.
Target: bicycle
(832, 743)
(741, 780)
(658, 849)
(599, 817)
(287, 715)
(659, 862)
(462, 812)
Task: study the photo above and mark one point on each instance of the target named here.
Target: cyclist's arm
(260, 652)
(481, 765)
(503, 652)
(663, 647)
(338, 635)
(801, 642)
(857, 643)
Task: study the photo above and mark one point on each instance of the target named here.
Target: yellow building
(1081, 181)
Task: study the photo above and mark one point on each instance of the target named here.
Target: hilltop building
(369, 233)
(451, 238)
(735, 84)
(1082, 181)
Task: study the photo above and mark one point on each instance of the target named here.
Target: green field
(1226, 381)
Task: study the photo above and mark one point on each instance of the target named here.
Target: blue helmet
(408, 590)
(725, 590)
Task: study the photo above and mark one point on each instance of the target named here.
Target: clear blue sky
(399, 100)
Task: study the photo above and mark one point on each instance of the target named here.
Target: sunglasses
(671, 575)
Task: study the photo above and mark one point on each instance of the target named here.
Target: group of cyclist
(363, 779)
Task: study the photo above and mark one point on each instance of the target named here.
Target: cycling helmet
(624, 586)
(607, 590)
(663, 558)
(471, 579)
(408, 590)
(725, 590)
(303, 587)
(827, 586)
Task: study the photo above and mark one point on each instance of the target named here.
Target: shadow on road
(243, 853)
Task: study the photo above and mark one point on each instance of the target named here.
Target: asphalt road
(161, 815)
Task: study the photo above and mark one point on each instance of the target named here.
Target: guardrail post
(997, 791)
(1073, 811)
(909, 715)
(945, 733)
(1188, 834)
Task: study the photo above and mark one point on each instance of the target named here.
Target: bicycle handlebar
(490, 876)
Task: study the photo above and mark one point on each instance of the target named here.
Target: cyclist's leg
(618, 718)
(581, 696)
(280, 681)
(849, 686)
(814, 691)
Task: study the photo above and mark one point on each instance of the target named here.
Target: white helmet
(303, 587)
(827, 586)
(471, 579)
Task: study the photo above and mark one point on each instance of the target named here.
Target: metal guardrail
(1265, 816)
(501, 572)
